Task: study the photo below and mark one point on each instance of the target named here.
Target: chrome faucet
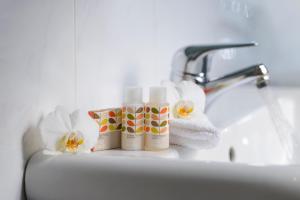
(193, 63)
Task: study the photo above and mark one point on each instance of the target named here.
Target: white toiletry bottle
(133, 119)
(157, 120)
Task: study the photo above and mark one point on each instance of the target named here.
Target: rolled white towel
(197, 133)
(193, 130)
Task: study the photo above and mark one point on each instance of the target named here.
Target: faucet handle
(192, 62)
(193, 52)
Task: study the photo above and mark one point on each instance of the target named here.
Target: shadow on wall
(32, 142)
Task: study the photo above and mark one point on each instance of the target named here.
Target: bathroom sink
(105, 176)
(251, 161)
(258, 129)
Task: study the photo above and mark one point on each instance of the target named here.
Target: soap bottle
(157, 120)
(133, 119)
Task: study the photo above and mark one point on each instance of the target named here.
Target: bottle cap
(158, 95)
(133, 95)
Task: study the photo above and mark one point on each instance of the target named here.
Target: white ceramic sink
(249, 134)
(249, 129)
(250, 162)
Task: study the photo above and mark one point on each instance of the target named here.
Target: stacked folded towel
(189, 126)
(196, 133)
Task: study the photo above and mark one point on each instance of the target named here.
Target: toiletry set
(135, 126)
(173, 114)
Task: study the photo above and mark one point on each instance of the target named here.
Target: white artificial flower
(64, 132)
(189, 90)
(186, 99)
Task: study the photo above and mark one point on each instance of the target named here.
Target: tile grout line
(75, 54)
(155, 31)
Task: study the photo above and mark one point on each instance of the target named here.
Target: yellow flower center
(183, 109)
(70, 142)
(73, 143)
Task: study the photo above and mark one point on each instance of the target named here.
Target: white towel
(196, 133)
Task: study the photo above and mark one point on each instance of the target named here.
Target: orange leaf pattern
(164, 110)
(158, 121)
(133, 119)
(140, 116)
(111, 113)
(130, 123)
(103, 128)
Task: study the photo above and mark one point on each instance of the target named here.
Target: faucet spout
(192, 63)
(215, 87)
(256, 72)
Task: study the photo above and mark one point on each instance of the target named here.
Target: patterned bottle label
(157, 119)
(133, 119)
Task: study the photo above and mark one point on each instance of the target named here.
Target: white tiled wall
(132, 42)
(116, 47)
(36, 73)
(45, 62)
